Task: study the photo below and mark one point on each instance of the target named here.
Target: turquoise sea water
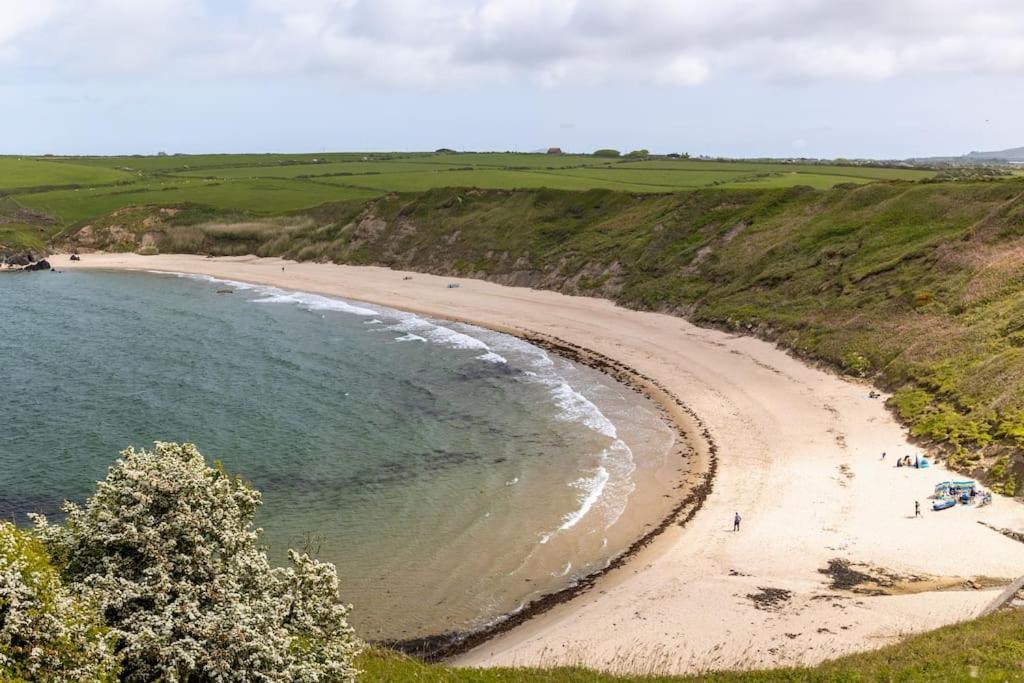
(451, 473)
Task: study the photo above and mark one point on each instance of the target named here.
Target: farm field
(26, 172)
(64, 191)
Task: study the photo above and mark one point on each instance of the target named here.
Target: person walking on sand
(917, 508)
(736, 522)
(883, 455)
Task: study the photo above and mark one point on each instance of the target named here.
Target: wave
(420, 329)
(275, 295)
(611, 483)
(592, 487)
(312, 302)
(575, 407)
(443, 336)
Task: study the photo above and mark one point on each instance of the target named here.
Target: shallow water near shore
(451, 473)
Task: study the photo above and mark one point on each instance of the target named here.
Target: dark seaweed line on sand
(442, 646)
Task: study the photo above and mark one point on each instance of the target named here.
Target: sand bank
(798, 457)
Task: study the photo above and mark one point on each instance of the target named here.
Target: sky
(741, 78)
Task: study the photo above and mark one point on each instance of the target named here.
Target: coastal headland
(830, 557)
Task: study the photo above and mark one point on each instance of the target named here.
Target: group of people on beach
(905, 461)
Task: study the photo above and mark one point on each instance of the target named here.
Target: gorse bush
(47, 632)
(167, 549)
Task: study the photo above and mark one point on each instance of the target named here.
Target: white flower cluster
(167, 545)
(46, 633)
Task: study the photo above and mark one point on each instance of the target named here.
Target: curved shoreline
(697, 482)
(797, 451)
(693, 439)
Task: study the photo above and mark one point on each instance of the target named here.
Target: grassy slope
(18, 173)
(916, 285)
(74, 189)
(987, 649)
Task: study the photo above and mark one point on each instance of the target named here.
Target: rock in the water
(38, 265)
(75, 257)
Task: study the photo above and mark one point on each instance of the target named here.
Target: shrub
(1004, 480)
(856, 363)
(47, 632)
(148, 251)
(613, 153)
(1012, 427)
(169, 547)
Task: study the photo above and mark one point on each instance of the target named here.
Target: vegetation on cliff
(916, 286)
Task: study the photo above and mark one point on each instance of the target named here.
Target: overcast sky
(828, 78)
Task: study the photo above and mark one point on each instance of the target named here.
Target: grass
(914, 285)
(269, 195)
(25, 172)
(986, 649)
(76, 189)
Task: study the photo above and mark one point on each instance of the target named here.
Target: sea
(451, 473)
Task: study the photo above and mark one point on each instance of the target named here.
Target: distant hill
(1015, 154)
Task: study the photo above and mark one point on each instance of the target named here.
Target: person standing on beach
(917, 508)
(736, 522)
(883, 455)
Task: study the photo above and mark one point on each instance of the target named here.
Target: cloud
(547, 43)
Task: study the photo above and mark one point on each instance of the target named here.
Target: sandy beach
(798, 456)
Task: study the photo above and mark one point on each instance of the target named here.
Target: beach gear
(943, 504)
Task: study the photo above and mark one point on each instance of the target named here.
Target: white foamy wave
(375, 321)
(566, 570)
(312, 302)
(592, 488)
(274, 295)
(443, 336)
(610, 486)
(575, 407)
(618, 458)
(209, 278)
(457, 340)
(410, 337)
(537, 357)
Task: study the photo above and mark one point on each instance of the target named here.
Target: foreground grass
(987, 649)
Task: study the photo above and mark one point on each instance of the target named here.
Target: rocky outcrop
(42, 264)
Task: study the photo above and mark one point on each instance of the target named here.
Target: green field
(71, 190)
(25, 172)
(267, 196)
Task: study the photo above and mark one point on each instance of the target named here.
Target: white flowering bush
(47, 633)
(168, 546)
